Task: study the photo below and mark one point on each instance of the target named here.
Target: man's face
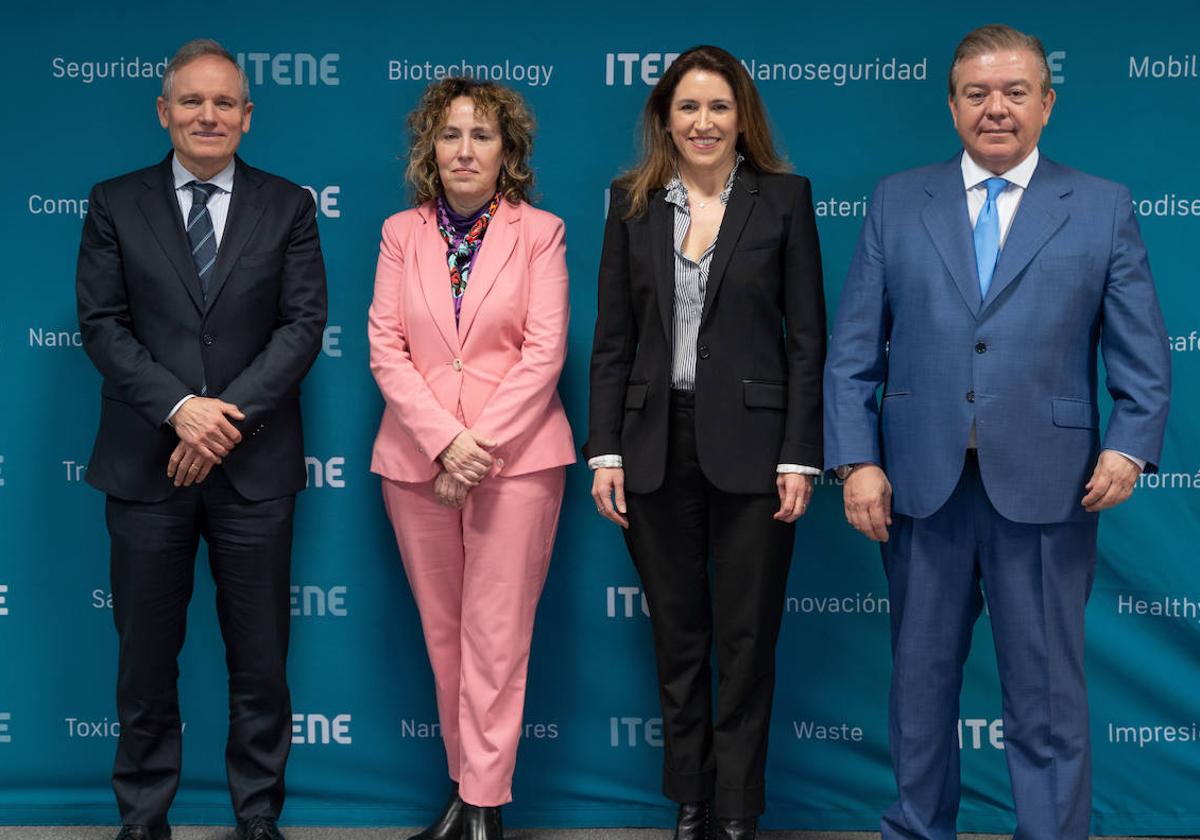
(998, 107)
(206, 115)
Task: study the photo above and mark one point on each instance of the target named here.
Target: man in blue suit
(980, 293)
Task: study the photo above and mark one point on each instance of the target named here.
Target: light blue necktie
(987, 235)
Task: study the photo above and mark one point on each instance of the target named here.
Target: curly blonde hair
(516, 131)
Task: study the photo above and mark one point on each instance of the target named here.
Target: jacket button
(457, 364)
(704, 354)
(207, 339)
(970, 396)
(981, 347)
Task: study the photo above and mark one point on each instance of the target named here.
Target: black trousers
(672, 532)
(153, 567)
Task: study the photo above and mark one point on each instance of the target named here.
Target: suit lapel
(662, 246)
(434, 276)
(245, 209)
(1039, 216)
(494, 252)
(160, 208)
(948, 223)
(741, 201)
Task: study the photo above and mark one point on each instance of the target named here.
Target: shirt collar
(223, 179)
(677, 193)
(974, 174)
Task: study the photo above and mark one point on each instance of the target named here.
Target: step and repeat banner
(855, 91)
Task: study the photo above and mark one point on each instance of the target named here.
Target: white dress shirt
(218, 203)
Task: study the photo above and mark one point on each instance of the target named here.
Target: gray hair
(198, 48)
(993, 37)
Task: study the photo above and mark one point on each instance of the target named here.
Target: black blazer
(761, 346)
(146, 328)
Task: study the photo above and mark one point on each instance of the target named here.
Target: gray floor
(85, 832)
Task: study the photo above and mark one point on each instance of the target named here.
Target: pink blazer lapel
(494, 253)
(435, 277)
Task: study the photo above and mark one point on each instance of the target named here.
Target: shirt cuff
(176, 408)
(800, 469)
(606, 462)
(1139, 462)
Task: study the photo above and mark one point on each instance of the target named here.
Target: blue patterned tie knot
(201, 236)
(987, 235)
(201, 193)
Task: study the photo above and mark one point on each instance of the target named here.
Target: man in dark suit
(982, 293)
(201, 295)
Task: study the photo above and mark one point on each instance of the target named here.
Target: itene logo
(3, 599)
(5, 717)
(623, 68)
(325, 473)
(635, 731)
(319, 729)
(287, 69)
(318, 601)
(623, 602)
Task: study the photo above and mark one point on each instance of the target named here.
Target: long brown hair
(659, 156)
(515, 182)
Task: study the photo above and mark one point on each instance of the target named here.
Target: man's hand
(608, 492)
(867, 495)
(795, 491)
(202, 423)
(467, 458)
(1112, 481)
(449, 491)
(189, 465)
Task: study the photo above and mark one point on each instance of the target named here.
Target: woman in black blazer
(705, 419)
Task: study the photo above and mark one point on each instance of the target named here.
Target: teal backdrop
(855, 90)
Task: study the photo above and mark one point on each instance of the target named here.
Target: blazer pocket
(758, 244)
(635, 396)
(1067, 265)
(759, 394)
(259, 260)
(887, 395)
(1074, 414)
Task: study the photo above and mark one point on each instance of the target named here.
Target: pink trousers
(477, 574)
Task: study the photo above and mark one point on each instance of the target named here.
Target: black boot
(692, 821)
(739, 829)
(449, 825)
(482, 823)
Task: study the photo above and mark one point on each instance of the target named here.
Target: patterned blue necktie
(987, 235)
(200, 233)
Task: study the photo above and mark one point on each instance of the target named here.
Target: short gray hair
(993, 37)
(197, 48)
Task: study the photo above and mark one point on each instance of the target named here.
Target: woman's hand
(467, 458)
(449, 491)
(608, 491)
(794, 492)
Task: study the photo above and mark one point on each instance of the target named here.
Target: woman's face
(469, 152)
(703, 121)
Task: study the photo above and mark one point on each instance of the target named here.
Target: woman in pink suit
(468, 333)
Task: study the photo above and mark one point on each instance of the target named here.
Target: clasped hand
(468, 459)
(205, 437)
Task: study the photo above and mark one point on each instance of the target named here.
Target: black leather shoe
(480, 823)
(143, 832)
(256, 828)
(741, 829)
(448, 826)
(692, 822)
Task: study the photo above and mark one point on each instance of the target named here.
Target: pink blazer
(497, 372)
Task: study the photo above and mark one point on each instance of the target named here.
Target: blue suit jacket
(1021, 364)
